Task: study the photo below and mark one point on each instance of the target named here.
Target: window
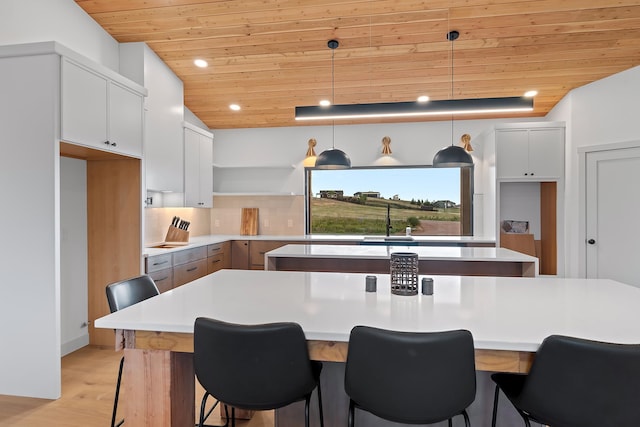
(432, 201)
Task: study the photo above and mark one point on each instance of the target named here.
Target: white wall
(73, 255)
(29, 257)
(411, 143)
(29, 21)
(603, 112)
(29, 128)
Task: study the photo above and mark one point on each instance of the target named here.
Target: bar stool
(412, 378)
(122, 295)
(255, 367)
(575, 382)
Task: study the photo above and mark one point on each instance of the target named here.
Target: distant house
(444, 204)
(368, 194)
(331, 194)
(396, 197)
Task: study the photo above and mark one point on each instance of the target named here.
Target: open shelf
(215, 165)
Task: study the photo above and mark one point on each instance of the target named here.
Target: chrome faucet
(389, 226)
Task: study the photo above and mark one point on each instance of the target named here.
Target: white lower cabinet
(198, 167)
(98, 112)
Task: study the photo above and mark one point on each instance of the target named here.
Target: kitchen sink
(168, 245)
(389, 238)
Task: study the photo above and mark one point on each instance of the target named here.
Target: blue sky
(408, 183)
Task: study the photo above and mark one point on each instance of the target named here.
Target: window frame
(466, 195)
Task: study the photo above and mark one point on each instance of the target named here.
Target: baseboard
(73, 345)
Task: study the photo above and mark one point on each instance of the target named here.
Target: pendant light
(452, 156)
(334, 158)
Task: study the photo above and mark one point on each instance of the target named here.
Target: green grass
(331, 216)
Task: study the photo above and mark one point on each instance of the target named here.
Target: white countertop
(221, 238)
(443, 253)
(502, 313)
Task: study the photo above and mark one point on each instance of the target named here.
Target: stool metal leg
(115, 399)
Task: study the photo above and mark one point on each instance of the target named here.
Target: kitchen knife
(175, 221)
(186, 227)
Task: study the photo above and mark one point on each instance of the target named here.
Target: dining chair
(410, 377)
(575, 382)
(255, 367)
(121, 295)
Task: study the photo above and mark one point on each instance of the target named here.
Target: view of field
(332, 216)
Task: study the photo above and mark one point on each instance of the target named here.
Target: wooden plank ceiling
(269, 56)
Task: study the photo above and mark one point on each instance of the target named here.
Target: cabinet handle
(526, 174)
(192, 269)
(160, 280)
(113, 144)
(107, 142)
(160, 263)
(213, 261)
(591, 241)
(531, 173)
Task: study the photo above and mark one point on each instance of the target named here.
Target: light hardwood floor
(88, 384)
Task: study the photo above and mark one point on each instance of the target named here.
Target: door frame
(582, 202)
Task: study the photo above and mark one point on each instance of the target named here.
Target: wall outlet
(265, 223)
(216, 223)
(289, 223)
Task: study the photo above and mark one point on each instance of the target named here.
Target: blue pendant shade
(333, 159)
(452, 156)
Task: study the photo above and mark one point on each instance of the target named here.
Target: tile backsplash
(158, 220)
(277, 216)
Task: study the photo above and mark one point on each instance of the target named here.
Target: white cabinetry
(164, 114)
(532, 153)
(198, 167)
(523, 180)
(99, 112)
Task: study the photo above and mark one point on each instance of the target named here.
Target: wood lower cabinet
(163, 279)
(189, 272)
(218, 257)
(240, 254)
(257, 249)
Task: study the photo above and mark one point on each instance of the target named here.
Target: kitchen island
(508, 317)
(463, 261)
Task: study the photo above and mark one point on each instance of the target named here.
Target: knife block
(174, 234)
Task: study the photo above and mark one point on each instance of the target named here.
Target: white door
(612, 212)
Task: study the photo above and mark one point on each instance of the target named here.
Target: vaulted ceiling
(269, 56)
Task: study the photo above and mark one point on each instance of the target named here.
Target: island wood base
(159, 375)
(380, 266)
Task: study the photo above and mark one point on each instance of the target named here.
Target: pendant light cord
(452, 36)
(333, 97)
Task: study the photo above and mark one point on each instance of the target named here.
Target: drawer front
(215, 263)
(213, 250)
(186, 273)
(189, 255)
(158, 262)
(163, 279)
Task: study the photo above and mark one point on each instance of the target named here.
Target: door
(612, 207)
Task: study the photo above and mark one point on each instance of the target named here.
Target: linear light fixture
(445, 107)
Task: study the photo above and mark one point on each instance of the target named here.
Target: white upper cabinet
(198, 167)
(99, 112)
(534, 154)
(164, 114)
(126, 111)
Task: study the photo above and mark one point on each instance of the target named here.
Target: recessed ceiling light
(234, 107)
(423, 98)
(325, 103)
(531, 93)
(201, 63)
